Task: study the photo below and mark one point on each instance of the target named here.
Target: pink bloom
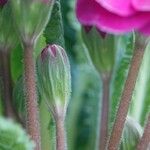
(115, 16)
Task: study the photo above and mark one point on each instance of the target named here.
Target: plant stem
(144, 143)
(60, 134)
(5, 73)
(31, 96)
(125, 99)
(104, 113)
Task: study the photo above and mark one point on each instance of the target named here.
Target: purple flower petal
(92, 13)
(120, 7)
(146, 29)
(142, 5)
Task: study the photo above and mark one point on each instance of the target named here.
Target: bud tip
(49, 48)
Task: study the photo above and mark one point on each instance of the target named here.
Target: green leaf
(131, 134)
(71, 25)
(17, 62)
(82, 119)
(13, 137)
(1, 103)
(48, 132)
(8, 36)
(19, 98)
(54, 32)
(40, 44)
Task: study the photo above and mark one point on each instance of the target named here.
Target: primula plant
(74, 75)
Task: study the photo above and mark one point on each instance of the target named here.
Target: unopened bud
(54, 78)
(101, 48)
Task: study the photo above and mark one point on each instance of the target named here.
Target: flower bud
(131, 134)
(101, 47)
(54, 78)
(31, 17)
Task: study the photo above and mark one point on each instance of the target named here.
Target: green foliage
(16, 62)
(19, 98)
(83, 109)
(70, 25)
(40, 44)
(54, 31)
(12, 136)
(47, 125)
(1, 106)
(131, 134)
(8, 37)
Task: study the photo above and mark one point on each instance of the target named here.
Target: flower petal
(92, 13)
(146, 29)
(120, 7)
(141, 5)
(87, 11)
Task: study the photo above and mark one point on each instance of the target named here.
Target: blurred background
(82, 116)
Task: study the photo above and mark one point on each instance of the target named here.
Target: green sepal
(31, 16)
(101, 49)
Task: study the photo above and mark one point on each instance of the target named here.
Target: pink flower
(115, 16)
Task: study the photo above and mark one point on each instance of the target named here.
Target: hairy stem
(104, 112)
(6, 87)
(33, 126)
(125, 99)
(144, 143)
(60, 134)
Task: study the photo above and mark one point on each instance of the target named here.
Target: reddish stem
(104, 112)
(31, 96)
(126, 99)
(60, 134)
(144, 143)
